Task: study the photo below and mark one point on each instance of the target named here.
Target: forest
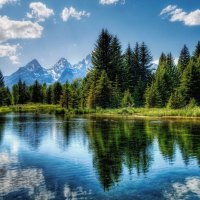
(119, 79)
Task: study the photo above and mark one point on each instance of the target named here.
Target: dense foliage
(119, 79)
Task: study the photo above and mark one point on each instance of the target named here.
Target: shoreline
(125, 113)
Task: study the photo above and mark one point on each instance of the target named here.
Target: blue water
(49, 157)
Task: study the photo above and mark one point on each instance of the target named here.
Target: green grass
(154, 112)
(128, 112)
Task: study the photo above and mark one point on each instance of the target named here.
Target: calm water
(47, 157)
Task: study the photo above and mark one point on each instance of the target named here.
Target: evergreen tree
(49, 95)
(1, 80)
(116, 61)
(116, 96)
(134, 69)
(127, 100)
(138, 94)
(190, 82)
(15, 94)
(76, 93)
(196, 52)
(183, 60)
(57, 92)
(103, 97)
(7, 97)
(66, 96)
(162, 59)
(164, 83)
(101, 56)
(37, 92)
(145, 64)
(128, 69)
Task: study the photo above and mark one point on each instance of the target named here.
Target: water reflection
(116, 144)
(45, 157)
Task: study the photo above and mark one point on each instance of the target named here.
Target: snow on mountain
(78, 70)
(29, 73)
(57, 70)
(62, 71)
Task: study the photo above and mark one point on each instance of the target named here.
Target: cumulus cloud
(177, 14)
(73, 13)
(109, 2)
(39, 11)
(4, 2)
(11, 29)
(187, 190)
(10, 52)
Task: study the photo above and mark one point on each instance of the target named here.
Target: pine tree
(162, 59)
(7, 97)
(190, 82)
(127, 100)
(101, 56)
(57, 92)
(76, 93)
(134, 69)
(103, 92)
(116, 61)
(138, 94)
(37, 92)
(49, 95)
(128, 69)
(66, 96)
(116, 95)
(196, 52)
(145, 64)
(1, 80)
(15, 94)
(164, 83)
(184, 60)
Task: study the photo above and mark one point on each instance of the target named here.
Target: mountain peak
(33, 65)
(34, 62)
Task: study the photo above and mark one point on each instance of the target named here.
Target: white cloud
(11, 29)
(178, 14)
(4, 2)
(109, 2)
(187, 190)
(10, 51)
(39, 11)
(72, 12)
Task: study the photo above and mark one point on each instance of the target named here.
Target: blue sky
(50, 29)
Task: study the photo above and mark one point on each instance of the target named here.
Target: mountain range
(62, 71)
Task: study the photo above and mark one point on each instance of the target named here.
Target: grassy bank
(128, 112)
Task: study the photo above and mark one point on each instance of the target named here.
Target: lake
(49, 157)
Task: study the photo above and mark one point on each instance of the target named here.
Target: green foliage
(37, 93)
(1, 80)
(164, 83)
(66, 96)
(119, 79)
(190, 82)
(183, 60)
(127, 100)
(103, 92)
(57, 92)
(49, 95)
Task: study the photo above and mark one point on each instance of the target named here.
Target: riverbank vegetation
(117, 83)
(187, 112)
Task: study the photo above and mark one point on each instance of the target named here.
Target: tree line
(119, 79)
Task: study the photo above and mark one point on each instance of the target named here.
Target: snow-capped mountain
(57, 70)
(29, 73)
(76, 71)
(62, 71)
